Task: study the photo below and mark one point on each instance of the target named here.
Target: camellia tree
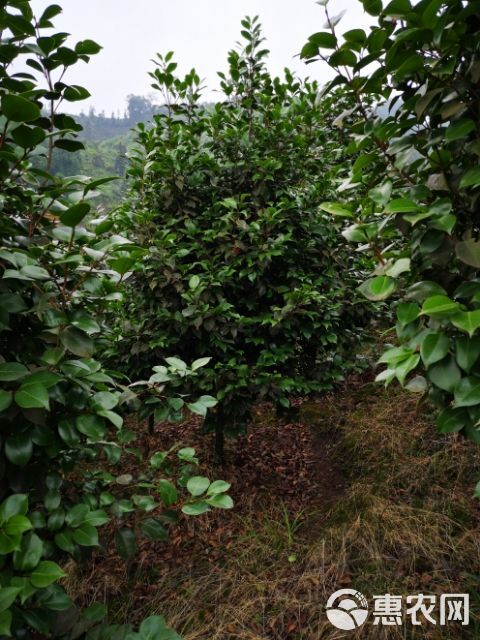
(60, 411)
(411, 193)
(243, 263)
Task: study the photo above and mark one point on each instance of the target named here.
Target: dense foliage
(242, 262)
(61, 425)
(411, 193)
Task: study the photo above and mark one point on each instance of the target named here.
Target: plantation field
(355, 491)
(240, 337)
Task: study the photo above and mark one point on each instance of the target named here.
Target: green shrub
(418, 209)
(60, 411)
(242, 262)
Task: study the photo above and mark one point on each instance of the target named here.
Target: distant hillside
(106, 141)
(101, 158)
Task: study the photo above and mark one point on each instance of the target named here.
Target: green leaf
(77, 342)
(51, 12)
(343, 57)
(5, 623)
(398, 267)
(208, 401)
(96, 612)
(324, 40)
(355, 35)
(64, 541)
(125, 542)
(187, 454)
(14, 505)
(418, 384)
(403, 368)
(32, 396)
(176, 363)
(69, 145)
(452, 420)
(381, 194)
(104, 400)
(48, 379)
(395, 355)
(87, 47)
(112, 417)
(445, 374)
(401, 205)
(86, 535)
(468, 251)
(54, 598)
(19, 449)
(17, 525)
(97, 518)
(54, 355)
(34, 272)
(459, 129)
(75, 214)
(77, 515)
(309, 50)
(122, 265)
(198, 408)
(472, 432)
(10, 371)
(8, 596)
(195, 509)
(29, 554)
(434, 347)
(422, 290)
(467, 351)
(74, 93)
(471, 178)
(407, 312)
(9, 543)
(439, 306)
(153, 529)
(92, 426)
(6, 399)
(19, 109)
(154, 628)
(378, 288)
(218, 486)
(398, 8)
(201, 362)
(468, 321)
(168, 492)
(336, 209)
(467, 392)
(413, 218)
(373, 7)
(28, 137)
(220, 501)
(46, 573)
(197, 485)
(194, 282)
(355, 233)
(145, 503)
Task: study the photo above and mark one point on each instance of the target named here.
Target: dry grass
(405, 522)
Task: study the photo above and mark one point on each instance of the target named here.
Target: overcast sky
(201, 32)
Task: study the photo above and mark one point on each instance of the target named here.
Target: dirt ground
(358, 491)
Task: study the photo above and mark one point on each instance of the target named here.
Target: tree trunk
(151, 423)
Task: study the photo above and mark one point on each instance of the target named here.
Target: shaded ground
(360, 491)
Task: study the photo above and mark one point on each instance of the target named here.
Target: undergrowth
(402, 521)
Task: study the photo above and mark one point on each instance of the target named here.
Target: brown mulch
(278, 467)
